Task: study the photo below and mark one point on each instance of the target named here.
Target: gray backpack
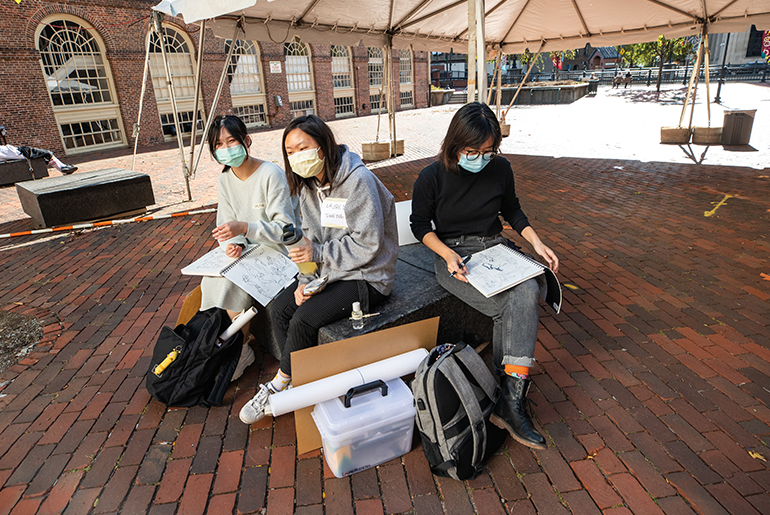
(455, 394)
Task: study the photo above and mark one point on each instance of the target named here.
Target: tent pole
(695, 84)
(495, 72)
(481, 53)
(391, 97)
(471, 51)
(170, 85)
(523, 81)
(198, 75)
(695, 72)
(210, 117)
(706, 58)
(499, 80)
(138, 124)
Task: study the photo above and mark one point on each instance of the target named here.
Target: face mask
(231, 156)
(474, 166)
(306, 164)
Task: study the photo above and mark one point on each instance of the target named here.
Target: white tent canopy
(439, 25)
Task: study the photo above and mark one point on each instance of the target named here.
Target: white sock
(279, 383)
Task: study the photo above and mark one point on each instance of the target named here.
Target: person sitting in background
(14, 153)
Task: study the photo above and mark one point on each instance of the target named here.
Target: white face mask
(306, 164)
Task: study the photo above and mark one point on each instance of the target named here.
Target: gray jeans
(514, 311)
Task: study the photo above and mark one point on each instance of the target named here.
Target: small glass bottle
(358, 316)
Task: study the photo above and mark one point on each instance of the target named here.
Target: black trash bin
(736, 129)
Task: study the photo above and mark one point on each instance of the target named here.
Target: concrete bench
(416, 296)
(86, 196)
(18, 170)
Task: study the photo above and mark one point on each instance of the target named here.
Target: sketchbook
(210, 264)
(260, 271)
(499, 268)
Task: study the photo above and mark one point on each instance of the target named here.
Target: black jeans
(296, 327)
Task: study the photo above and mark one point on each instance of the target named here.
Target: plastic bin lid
(366, 411)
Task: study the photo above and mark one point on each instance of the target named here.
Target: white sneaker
(246, 359)
(259, 406)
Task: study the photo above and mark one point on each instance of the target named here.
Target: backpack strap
(476, 421)
(478, 369)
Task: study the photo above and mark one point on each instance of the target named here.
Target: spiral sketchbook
(260, 271)
(499, 268)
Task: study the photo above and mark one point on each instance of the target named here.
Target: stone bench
(18, 170)
(86, 196)
(416, 296)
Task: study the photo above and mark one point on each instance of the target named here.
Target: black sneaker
(68, 169)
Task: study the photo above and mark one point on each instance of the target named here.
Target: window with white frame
(299, 78)
(376, 66)
(377, 101)
(342, 80)
(341, 67)
(246, 82)
(405, 78)
(79, 84)
(405, 66)
(298, 73)
(343, 106)
(181, 64)
(301, 108)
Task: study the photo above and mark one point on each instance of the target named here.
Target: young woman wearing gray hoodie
(350, 232)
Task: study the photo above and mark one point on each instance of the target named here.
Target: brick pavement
(652, 384)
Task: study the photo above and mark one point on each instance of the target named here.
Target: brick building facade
(70, 77)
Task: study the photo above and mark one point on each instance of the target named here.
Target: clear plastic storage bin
(375, 428)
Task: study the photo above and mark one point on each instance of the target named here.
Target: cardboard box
(316, 363)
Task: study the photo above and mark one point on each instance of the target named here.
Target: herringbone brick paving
(653, 384)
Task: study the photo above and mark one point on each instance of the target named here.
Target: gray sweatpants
(514, 311)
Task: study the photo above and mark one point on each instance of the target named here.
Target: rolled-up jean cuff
(522, 361)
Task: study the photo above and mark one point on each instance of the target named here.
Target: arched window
(79, 83)
(376, 67)
(246, 86)
(342, 80)
(405, 78)
(299, 78)
(182, 66)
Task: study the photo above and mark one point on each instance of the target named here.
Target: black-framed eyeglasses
(475, 154)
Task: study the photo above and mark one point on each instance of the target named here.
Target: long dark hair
(471, 126)
(317, 129)
(234, 126)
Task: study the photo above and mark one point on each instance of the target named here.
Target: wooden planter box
(563, 94)
(676, 135)
(440, 96)
(707, 135)
(379, 150)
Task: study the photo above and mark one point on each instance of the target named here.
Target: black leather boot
(511, 413)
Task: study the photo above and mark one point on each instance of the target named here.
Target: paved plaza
(652, 384)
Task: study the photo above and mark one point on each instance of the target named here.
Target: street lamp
(717, 99)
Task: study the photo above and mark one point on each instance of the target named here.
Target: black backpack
(455, 394)
(190, 366)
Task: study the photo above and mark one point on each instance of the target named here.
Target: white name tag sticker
(333, 213)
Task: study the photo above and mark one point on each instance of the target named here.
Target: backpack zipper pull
(170, 357)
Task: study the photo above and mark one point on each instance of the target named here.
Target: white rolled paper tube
(334, 386)
(240, 321)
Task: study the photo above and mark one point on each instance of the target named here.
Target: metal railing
(646, 76)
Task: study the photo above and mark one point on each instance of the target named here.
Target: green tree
(660, 51)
